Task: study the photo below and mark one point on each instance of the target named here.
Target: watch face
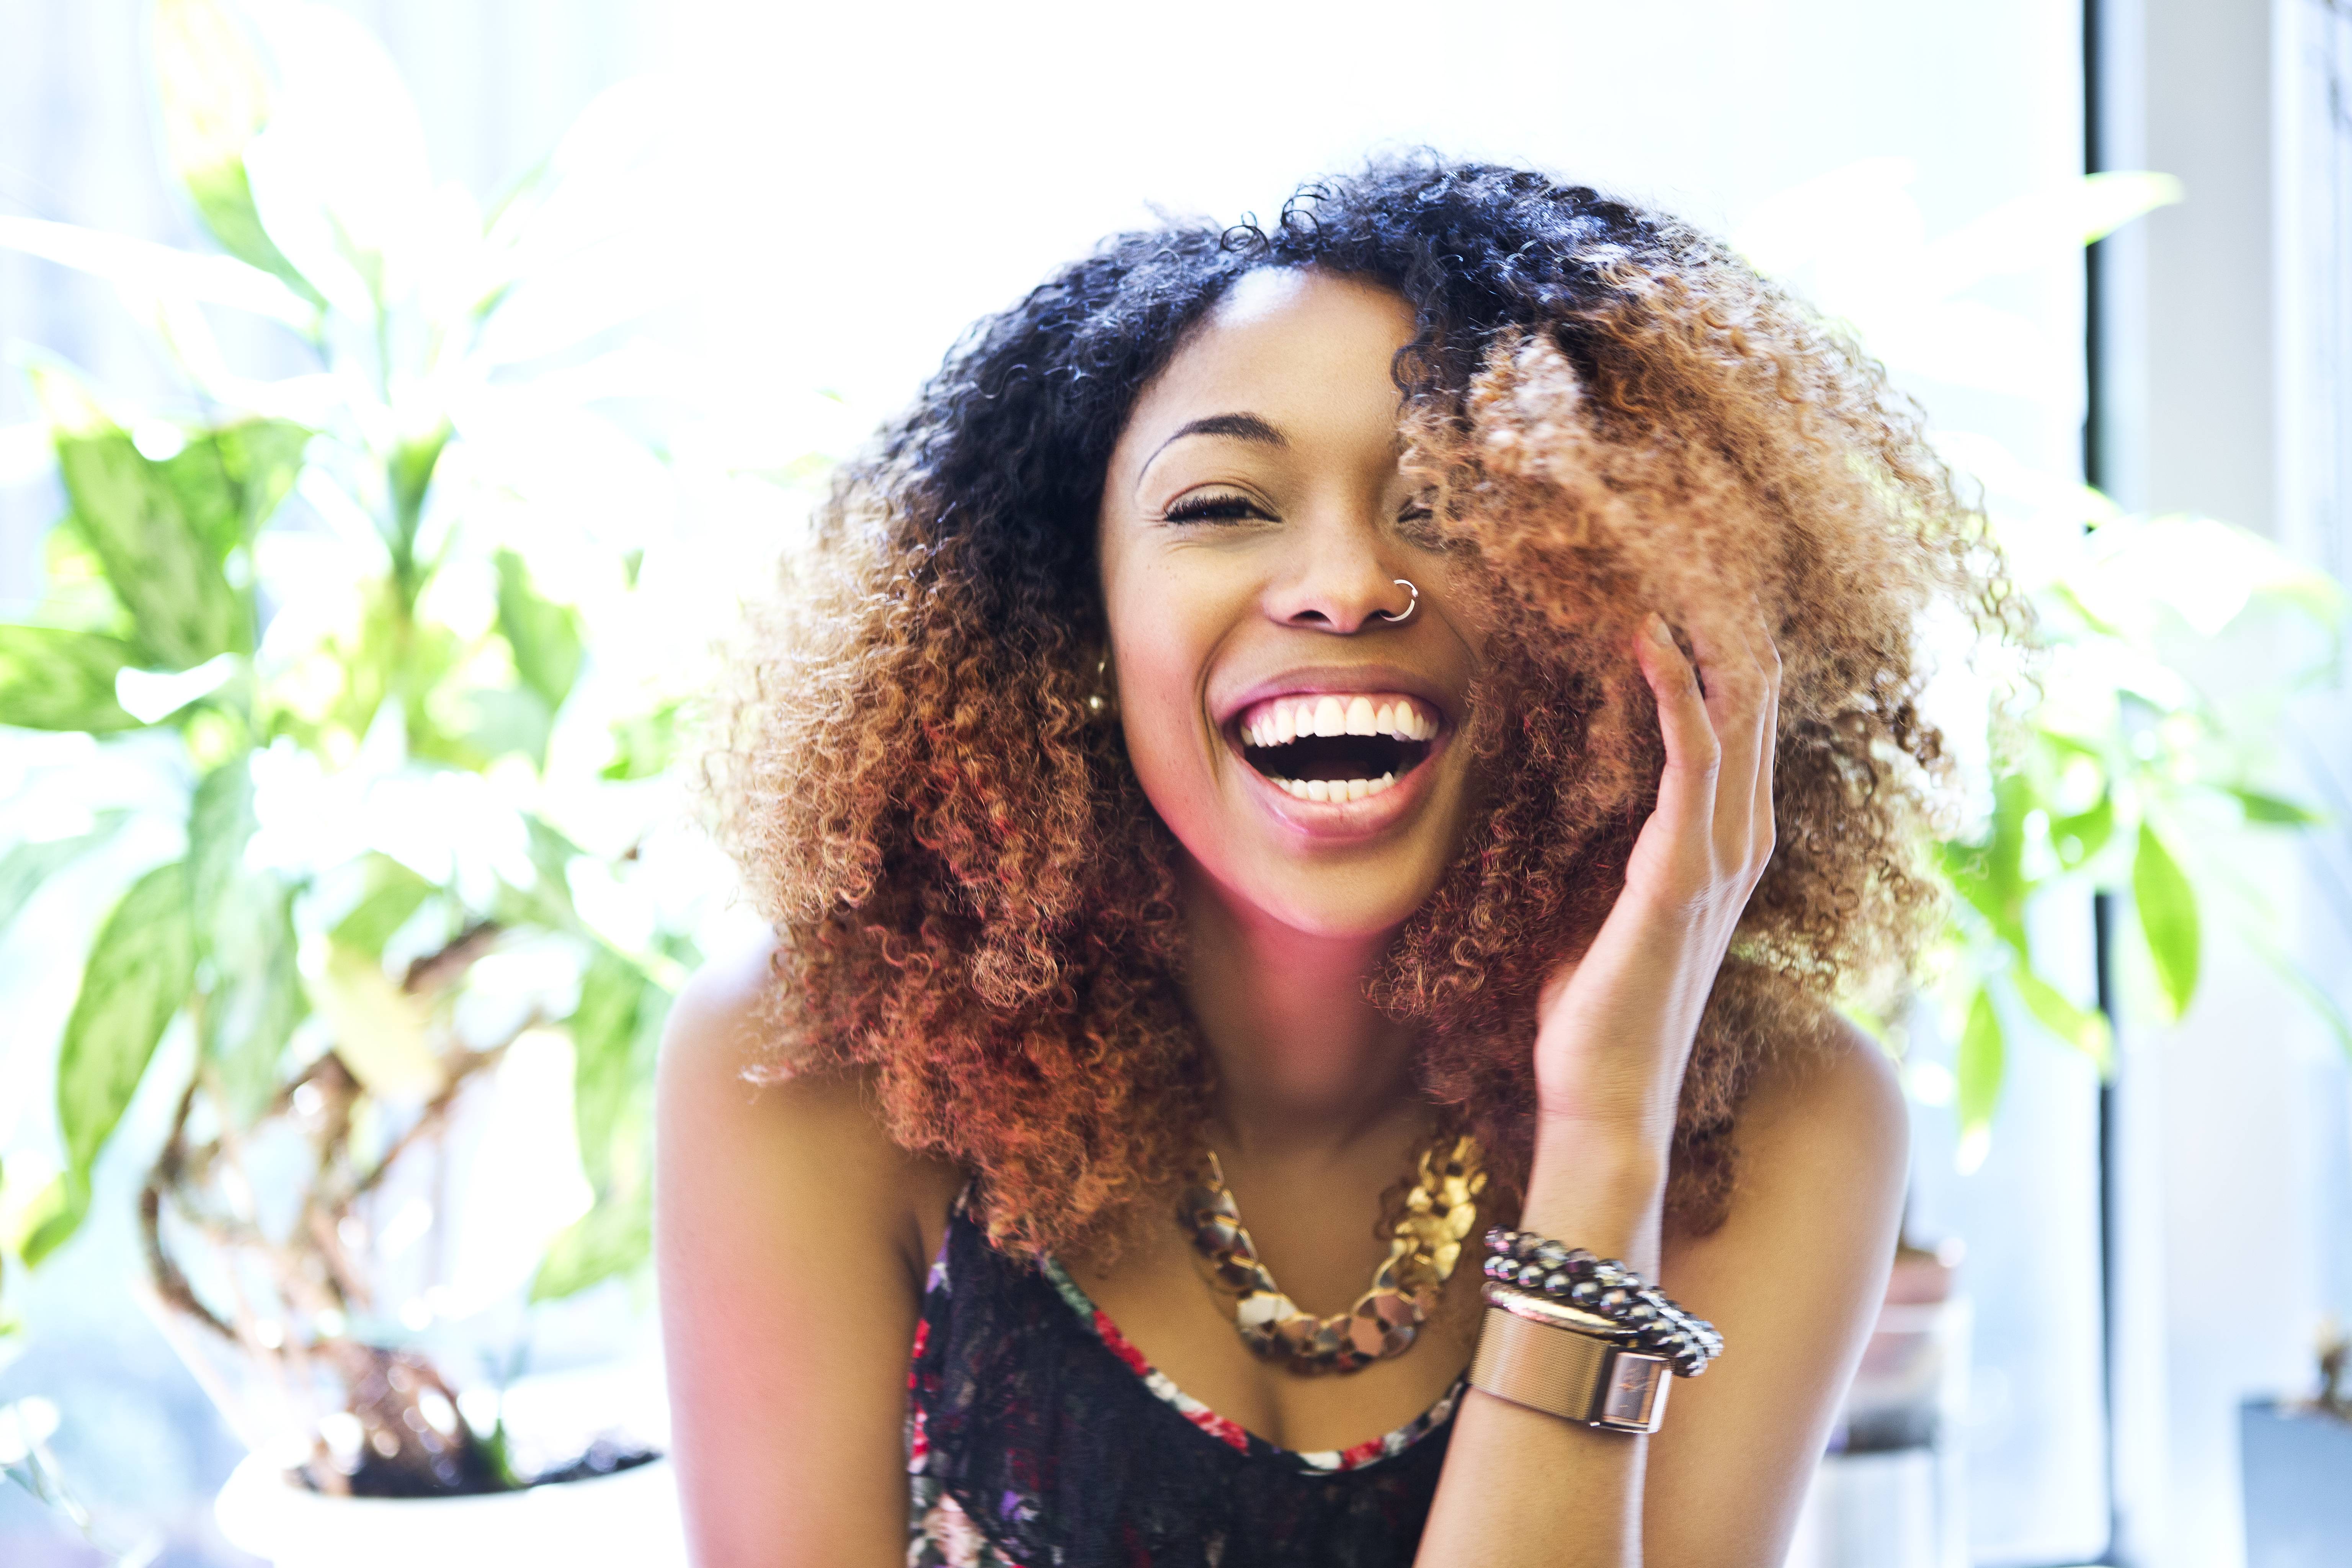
(1637, 1391)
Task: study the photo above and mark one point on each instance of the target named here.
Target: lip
(1341, 821)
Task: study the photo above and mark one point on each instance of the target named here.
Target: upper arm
(784, 1230)
(1793, 1278)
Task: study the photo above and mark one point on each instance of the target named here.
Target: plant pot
(2298, 1465)
(549, 1421)
(629, 1517)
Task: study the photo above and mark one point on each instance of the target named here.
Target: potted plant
(338, 625)
(2104, 765)
(2106, 774)
(2294, 1456)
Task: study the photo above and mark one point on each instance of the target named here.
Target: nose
(1337, 581)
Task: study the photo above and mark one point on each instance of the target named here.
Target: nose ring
(1393, 619)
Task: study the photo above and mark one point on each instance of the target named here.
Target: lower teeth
(1336, 789)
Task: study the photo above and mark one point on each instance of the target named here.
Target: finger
(1766, 829)
(1736, 698)
(1726, 673)
(1694, 755)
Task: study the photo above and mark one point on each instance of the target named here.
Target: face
(1255, 525)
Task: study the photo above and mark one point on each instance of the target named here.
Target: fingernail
(1657, 629)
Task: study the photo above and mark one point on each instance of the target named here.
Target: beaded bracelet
(1605, 1287)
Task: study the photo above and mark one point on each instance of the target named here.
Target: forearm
(1525, 1487)
(1614, 1033)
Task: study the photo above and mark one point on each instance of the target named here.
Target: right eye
(1223, 508)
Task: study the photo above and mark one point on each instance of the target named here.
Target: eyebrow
(1235, 426)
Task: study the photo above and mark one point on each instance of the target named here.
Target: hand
(1615, 1028)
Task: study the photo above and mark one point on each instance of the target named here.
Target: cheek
(1166, 627)
(1158, 707)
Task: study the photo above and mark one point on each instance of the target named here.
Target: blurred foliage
(348, 627)
(2118, 765)
(2104, 768)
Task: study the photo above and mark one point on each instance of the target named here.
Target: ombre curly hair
(976, 906)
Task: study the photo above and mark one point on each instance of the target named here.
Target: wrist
(1602, 1192)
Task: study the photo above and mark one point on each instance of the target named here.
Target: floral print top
(1038, 1437)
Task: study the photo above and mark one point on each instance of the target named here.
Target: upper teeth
(1280, 723)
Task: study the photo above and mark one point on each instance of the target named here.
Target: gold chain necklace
(1440, 1213)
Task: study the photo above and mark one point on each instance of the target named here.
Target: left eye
(1213, 509)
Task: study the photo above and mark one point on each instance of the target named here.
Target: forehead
(1299, 348)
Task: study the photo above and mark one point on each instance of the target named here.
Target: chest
(1161, 1302)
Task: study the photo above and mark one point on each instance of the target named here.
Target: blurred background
(471, 359)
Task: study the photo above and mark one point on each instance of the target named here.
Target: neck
(1306, 1064)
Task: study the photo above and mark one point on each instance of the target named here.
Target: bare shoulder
(792, 1238)
(1838, 1092)
(1834, 1100)
(729, 1100)
(1822, 1153)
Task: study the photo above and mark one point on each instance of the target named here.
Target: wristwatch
(1577, 1366)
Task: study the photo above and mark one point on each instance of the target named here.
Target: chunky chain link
(1440, 1213)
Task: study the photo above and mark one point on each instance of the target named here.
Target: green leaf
(545, 637)
(53, 680)
(411, 473)
(508, 721)
(230, 481)
(2168, 917)
(547, 900)
(604, 1028)
(256, 998)
(2270, 811)
(615, 1031)
(162, 563)
(49, 1221)
(220, 822)
(136, 978)
(215, 96)
(1990, 874)
(393, 894)
(609, 1239)
(643, 746)
(2085, 832)
(2084, 1029)
(73, 590)
(1980, 1065)
(2113, 198)
(24, 868)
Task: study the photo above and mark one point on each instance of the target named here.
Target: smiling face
(1255, 526)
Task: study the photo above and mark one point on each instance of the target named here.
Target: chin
(1353, 903)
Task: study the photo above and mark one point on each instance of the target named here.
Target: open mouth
(1329, 747)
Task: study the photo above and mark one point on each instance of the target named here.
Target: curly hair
(976, 905)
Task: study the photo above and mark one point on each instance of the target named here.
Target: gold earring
(1099, 702)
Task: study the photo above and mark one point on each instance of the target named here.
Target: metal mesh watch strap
(1539, 1360)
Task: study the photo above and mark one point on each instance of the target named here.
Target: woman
(1269, 770)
